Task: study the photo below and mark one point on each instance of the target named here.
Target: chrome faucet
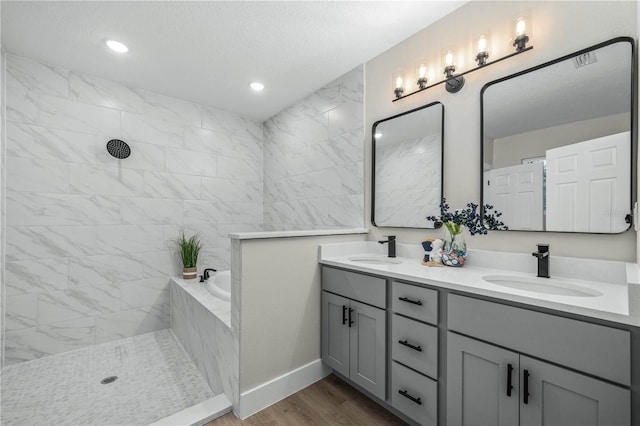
(543, 260)
(391, 240)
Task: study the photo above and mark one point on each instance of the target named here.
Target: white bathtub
(220, 285)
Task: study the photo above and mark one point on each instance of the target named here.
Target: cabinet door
(335, 332)
(368, 348)
(557, 396)
(478, 378)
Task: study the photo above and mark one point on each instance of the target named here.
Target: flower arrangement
(469, 217)
(455, 248)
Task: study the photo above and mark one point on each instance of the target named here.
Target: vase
(189, 273)
(454, 251)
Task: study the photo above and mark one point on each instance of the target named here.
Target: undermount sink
(542, 285)
(375, 260)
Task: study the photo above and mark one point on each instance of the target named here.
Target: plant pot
(189, 273)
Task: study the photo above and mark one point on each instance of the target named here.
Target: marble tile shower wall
(2, 198)
(313, 159)
(88, 245)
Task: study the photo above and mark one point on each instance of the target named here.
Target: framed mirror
(406, 177)
(558, 142)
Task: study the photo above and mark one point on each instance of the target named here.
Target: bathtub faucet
(205, 274)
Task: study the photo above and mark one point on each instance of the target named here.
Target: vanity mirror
(557, 142)
(406, 180)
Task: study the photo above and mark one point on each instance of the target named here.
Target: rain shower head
(118, 149)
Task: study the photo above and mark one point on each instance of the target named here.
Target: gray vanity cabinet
(414, 352)
(477, 383)
(335, 336)
(353, 332)
(488, 384)
(560, 396)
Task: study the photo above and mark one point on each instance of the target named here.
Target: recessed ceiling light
(117, 46)
(257, 86)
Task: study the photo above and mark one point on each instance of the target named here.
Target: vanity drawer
(423, 408)
(423, 356)
(415, 302)
(364, 288)
(592, 348)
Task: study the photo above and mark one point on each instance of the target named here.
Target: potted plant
(189, 249)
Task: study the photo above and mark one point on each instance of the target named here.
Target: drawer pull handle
(350, 320)
(525, 394)
(412, 398)
(344, 314)
(509, 384)
(415, 302)
(409, 345)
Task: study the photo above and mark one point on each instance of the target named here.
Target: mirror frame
(632, 125)
(373, 161)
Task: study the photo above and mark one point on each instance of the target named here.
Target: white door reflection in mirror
(517, 192)
(588, 185)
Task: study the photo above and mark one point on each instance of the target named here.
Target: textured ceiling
(208, 52)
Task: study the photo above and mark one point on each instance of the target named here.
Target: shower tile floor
(156, 378)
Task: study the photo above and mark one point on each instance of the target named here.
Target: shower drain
(108, 380)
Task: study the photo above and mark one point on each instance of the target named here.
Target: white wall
(280, 305)
(313, 159)
(510, 150)
(89, 237)
(559, 28)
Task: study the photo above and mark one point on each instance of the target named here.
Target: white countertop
(619, 302)
(289, 234)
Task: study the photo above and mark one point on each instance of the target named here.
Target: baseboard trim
(198, 414)
(269, 393)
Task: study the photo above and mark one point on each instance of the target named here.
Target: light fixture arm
(449, 81)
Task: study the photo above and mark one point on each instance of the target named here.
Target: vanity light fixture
(116, 46)
(453, 83)
(421, 72)
(258, 87)
(521, 40)
(483, 54)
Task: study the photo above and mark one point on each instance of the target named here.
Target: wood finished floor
(327, 402)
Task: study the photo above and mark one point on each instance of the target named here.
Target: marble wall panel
(90, 238)
(313, 159)
(32, 343)
(207, 340)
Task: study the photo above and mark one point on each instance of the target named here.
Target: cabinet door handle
(509, 374)
(412, 398)
(525, 394)
(409, 345)
(415, 302)
(350, 320)
(344, 314)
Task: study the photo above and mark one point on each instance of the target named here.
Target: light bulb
(422, 71)
(482, 44)
(399, 82)
(449, 58)
(521, 26)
